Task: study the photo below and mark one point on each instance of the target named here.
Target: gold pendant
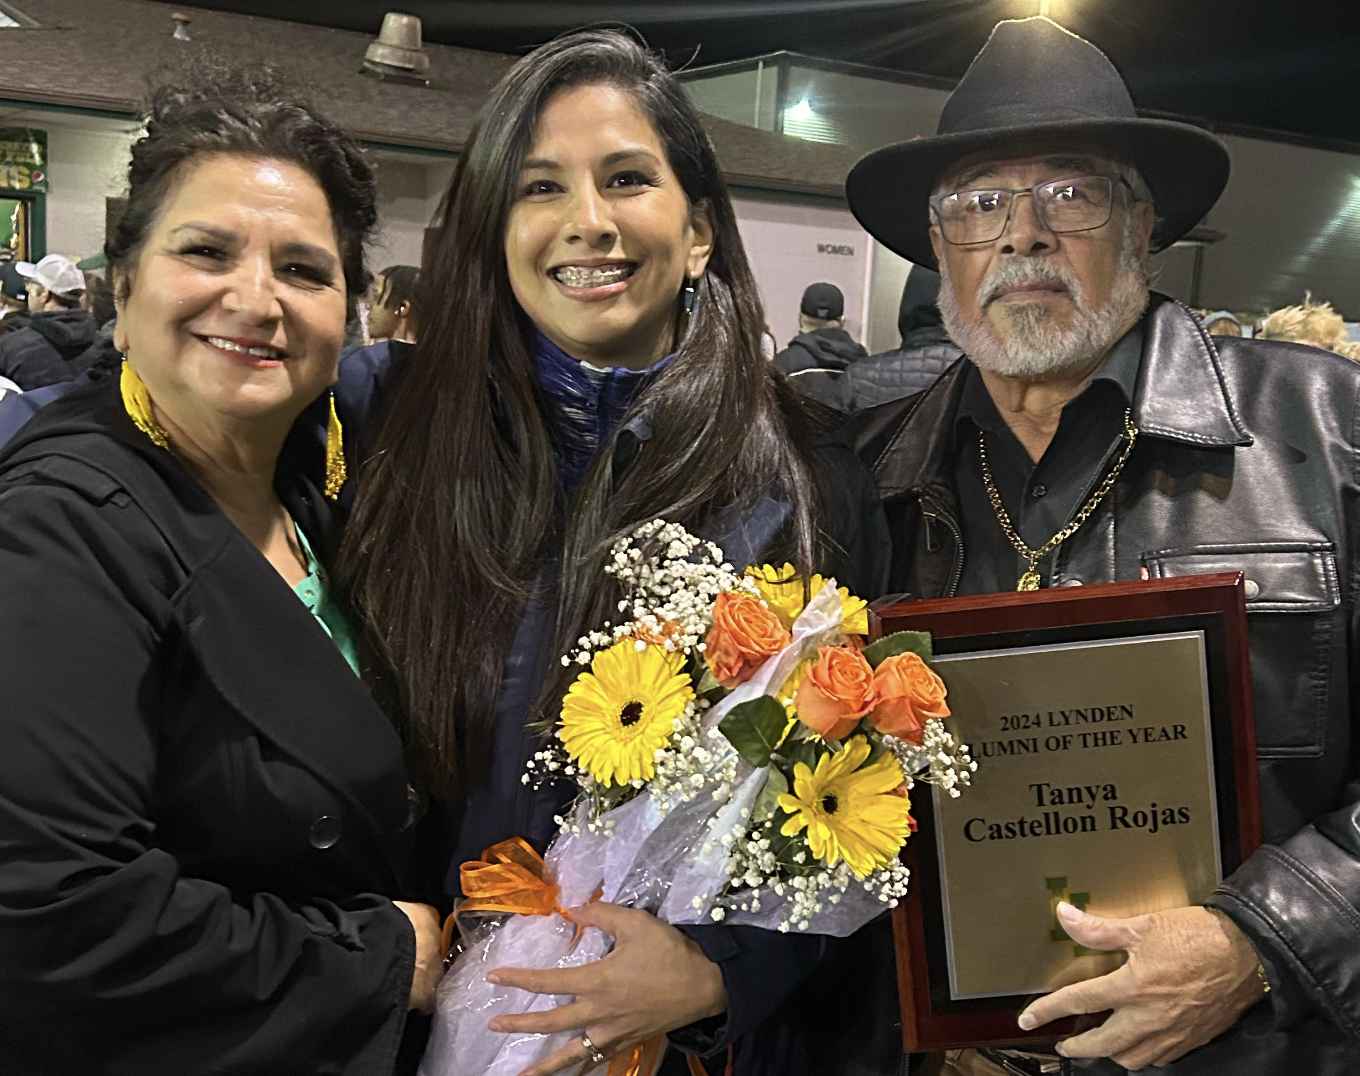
(1028, 581)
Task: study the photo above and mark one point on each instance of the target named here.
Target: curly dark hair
(251, 113)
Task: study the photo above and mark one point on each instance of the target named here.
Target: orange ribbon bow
(510, 877)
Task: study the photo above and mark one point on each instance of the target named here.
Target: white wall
(409, 191)
(1292, 218)
(88, 160)
(84, 168)
(782, 241)
(888, 276)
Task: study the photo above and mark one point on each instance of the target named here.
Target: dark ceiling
(1244, 66)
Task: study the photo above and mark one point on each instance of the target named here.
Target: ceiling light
(398, 53)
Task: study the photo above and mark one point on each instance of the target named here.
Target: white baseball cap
(56, 272)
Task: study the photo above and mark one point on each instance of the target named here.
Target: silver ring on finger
(595, 1054)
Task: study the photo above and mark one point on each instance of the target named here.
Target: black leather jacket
(1248, 460)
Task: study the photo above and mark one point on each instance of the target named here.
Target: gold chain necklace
(1030, 580)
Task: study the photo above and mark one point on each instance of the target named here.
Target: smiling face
(601, 235)
(1035, 300)
(235, 310)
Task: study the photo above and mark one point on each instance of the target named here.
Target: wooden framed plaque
(1113, 730)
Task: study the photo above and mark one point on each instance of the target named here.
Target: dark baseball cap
(823, 301)
(12, 283)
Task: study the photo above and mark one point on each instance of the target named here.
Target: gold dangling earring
(336, 471)
(137, 403)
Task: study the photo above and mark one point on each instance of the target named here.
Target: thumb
(612, 919)
(1094, 931)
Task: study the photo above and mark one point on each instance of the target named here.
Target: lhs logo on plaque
(1057, 890)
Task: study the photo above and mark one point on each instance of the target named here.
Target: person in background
(393, 313)
(1314, 324)
(205, 816)
(822, 342)
(924, 354)
(13, 297)
(59, 331)
(1093, 435)
(98, 300)
(1222, 323)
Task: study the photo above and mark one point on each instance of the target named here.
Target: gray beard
(1034, 344)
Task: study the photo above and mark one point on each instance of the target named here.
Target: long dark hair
(460, 508)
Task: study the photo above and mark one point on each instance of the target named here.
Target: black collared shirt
(1041, 498)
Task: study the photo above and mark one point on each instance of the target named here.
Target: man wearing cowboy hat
(1095, 432)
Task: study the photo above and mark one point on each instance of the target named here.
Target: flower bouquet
(740, 756)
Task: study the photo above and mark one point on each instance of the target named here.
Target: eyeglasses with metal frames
(1071, 204)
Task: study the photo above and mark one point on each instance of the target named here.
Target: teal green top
(316, 597)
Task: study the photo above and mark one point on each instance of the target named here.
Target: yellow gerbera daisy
(618, 714)
(850, 814)
(782, 591)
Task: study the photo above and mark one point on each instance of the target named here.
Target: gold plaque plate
(1095, 785)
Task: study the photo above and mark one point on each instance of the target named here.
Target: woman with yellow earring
(206, 817)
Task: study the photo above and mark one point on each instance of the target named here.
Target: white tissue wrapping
(460, 1042)
(663, 857)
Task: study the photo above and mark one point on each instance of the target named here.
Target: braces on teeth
(575, 277)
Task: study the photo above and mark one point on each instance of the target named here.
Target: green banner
(23, 159)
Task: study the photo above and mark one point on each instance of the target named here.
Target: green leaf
(804, 751)
(800, 732)
(767, 802)
(708, 682)
(900, 642)
(876, 750)
(755, 728)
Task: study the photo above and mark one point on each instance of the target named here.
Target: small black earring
(688, 299)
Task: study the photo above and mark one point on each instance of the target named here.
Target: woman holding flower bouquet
(591, 362)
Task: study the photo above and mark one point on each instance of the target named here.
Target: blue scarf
(588, 404)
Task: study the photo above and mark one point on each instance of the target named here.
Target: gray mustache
(1012, 273)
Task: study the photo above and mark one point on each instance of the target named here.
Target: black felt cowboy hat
(1035, 84)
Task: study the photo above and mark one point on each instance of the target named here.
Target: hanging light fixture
(398, 53)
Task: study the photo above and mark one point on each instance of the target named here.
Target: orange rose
(909, 693)
(837, 691)
(743, 635)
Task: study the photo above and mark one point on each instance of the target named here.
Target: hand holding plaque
(1191, 973)
(1113, 729)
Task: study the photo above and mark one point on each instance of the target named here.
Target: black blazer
(203, 813)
